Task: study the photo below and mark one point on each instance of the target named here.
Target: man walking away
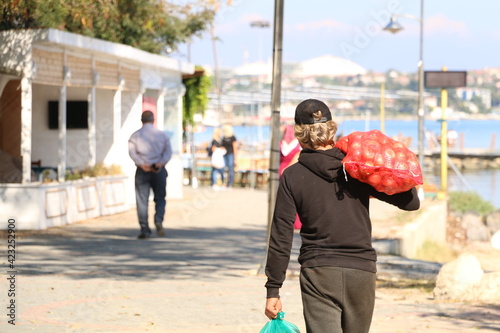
(150, 150)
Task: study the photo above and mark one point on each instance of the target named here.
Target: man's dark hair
(147, 117)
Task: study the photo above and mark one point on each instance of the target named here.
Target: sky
(458, 34)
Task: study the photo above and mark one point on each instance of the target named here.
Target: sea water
(482, 134)
(475, 133)
(486, 183)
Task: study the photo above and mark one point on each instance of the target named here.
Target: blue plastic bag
(278, 325)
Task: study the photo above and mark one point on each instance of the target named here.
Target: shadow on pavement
(182, 254)
(486, 317)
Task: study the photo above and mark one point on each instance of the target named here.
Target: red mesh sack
(386, 164)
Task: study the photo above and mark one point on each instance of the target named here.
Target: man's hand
(273, 307)
(146, 167)
(157, 167)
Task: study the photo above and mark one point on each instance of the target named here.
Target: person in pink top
(289, 154)
(289, 149)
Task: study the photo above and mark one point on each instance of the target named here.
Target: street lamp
(395, 27)
(260, 24)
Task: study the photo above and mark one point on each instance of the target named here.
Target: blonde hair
(217, 134)
(316, 135)
(228, 130)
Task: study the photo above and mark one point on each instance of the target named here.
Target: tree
(156, 26)
(478, 101)
(28, 14)
(195, 99)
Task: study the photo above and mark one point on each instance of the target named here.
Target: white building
(49, 78)
(467, 93)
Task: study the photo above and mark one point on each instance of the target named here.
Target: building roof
(254, 68)
(329, 65)
(326, 65)
(101, 48)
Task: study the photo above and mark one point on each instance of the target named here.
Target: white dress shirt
(149, 145)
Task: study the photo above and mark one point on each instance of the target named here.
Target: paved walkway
(95, 276)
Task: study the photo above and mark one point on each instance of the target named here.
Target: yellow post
(382, 108)
(444, 143)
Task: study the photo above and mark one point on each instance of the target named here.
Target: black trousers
(337, 300)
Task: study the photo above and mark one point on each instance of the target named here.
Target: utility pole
(275, 115)
(217, 74)
(444, 142)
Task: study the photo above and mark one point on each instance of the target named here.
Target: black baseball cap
(305, 109)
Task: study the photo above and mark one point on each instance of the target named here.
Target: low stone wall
(39, 206)
(429, 225)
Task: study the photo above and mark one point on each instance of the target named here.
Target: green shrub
(98, 170)
(469, 201)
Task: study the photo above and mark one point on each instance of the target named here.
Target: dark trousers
(144, 182)
(337, 300)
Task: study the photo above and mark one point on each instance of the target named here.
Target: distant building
(323, 66)
(467, 93)
(328, 65)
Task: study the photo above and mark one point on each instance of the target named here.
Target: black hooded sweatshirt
(334, 210)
